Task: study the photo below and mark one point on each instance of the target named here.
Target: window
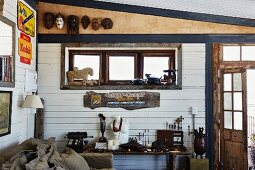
(155, 65)
(84, 61)
(120, 66)
(238, 53)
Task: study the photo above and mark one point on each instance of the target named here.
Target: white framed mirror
(7, 52)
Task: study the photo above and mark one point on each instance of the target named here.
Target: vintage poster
(25, 49)
(26, 19)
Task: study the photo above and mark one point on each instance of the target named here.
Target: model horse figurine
(81, 75)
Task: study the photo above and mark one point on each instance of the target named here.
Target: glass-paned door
(234, 116)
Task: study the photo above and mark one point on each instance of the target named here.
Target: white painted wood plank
(64, 109)
(124, 113)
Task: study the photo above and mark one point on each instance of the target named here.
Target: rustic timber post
(216, 104)
(1, 7)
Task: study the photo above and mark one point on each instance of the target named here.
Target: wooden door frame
(217, 65)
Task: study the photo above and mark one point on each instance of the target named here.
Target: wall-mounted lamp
(193, 112)
(32, 101)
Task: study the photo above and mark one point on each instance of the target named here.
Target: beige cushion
(38, 163)
(98, 160)
(29, 144)
(44, 152)
(70, 160)
(49, 141)
(17, 162)
(2, 160)
(26, 145)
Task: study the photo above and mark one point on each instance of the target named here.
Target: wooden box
(170, 137)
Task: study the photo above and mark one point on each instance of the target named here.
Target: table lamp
(32, 101)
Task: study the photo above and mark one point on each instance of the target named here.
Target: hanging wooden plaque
(126, 100)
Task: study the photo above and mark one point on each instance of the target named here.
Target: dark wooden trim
(209, 105)
(103, 74)
(157, 12)
(32, 4)
(146, 38)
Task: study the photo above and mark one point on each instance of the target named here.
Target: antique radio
(76, 140)
(170, 138)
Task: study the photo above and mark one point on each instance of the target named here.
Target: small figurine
(153, 80)
(170, 77)
(80, 75)
(137, 81)
(60, 21)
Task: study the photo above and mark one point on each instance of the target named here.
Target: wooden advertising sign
(126, 100)
(26, 19)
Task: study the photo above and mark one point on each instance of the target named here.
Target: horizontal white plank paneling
(21, 117)
(64, 110)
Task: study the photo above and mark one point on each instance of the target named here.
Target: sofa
(42, 154)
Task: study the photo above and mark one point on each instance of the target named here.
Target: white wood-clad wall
(22, 120)
(64, 111)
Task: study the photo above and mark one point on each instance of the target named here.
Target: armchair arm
(98, 160)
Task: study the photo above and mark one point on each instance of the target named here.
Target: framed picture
(5, 112)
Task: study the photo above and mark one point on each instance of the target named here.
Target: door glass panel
(237, 82)
(227, 82)
(227, 120)
(231, 53)
(237, 101)
(227, 101)
(238, 120)
(248, 53)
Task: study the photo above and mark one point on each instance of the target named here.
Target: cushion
(26, 145)
(16, 162)
(2, 160)
(44, 153)
(70, 160)
(98, 160)
(50, 141)
(29, 144)
(38, 163)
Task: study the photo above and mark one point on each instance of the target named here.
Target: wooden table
(170, 157)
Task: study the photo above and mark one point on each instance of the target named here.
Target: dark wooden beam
(209, 104)
(146, 38)
(156, 11)
(32, 4)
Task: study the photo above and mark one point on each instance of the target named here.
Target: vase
(199, 146)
